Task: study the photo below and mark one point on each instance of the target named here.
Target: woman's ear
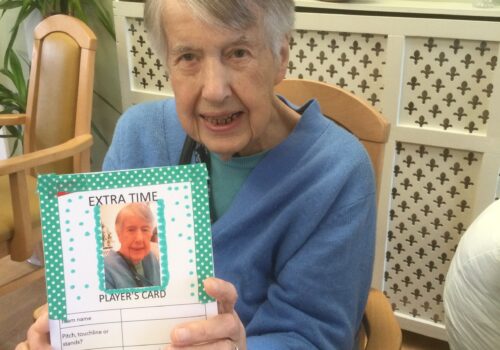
(283, 57)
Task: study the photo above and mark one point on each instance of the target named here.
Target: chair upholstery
(59, 64)
(57, 135)
(380, 329)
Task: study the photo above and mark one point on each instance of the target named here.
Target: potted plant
(13, 100)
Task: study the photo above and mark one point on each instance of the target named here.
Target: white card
(126, 253)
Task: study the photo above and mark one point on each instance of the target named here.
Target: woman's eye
(187, 57)
(239, 53)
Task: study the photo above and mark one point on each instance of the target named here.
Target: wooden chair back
(61, 87)
(346, 109)
(57, 136)
(380, 330)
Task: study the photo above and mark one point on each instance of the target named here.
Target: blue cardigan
(298, 239)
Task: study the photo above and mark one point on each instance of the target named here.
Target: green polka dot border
(51, 185)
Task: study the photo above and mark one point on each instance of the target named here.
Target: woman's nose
(137, 234)
(216, 82)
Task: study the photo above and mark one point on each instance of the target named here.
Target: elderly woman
(293, 195)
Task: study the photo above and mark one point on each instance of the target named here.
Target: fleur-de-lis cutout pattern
(447, 84)
(431, 199)
(146, 70)
(353, 61)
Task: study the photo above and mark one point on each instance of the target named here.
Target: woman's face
(134, 234)
(223, 83)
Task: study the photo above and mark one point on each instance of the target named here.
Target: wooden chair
(380, 329)
(57, 136)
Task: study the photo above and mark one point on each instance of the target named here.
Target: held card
(126, 253)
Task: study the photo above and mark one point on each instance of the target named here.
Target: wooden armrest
(381, 325)
(12, 119)
(45, 156)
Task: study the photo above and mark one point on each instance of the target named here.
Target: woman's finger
(219, 332)
(38, 333)
(224, 344)
(224, 326)
(22, 346)
(224, 292)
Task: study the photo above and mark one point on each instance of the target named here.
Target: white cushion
(472, 288)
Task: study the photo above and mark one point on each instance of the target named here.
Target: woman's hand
(38, 333)
(222, 332)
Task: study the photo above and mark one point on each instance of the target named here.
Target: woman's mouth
(221, 120)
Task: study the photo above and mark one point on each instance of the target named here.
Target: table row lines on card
(151, 333)
(133, 347)
(135, 314)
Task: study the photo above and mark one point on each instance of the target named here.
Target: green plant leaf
(75, 9)
(14, 130)
(26, 9)
(9, 4)
(16, 133)
(105, 17)
(45, 8)
(10, 110)
(14, 98)
(14, 147)
(9, 102)
(17, 77)
(4, 90)
(9, 99)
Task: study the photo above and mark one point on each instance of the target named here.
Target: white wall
(107, 84)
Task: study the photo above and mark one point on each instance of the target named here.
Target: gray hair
(278, 17)
(139, 209)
